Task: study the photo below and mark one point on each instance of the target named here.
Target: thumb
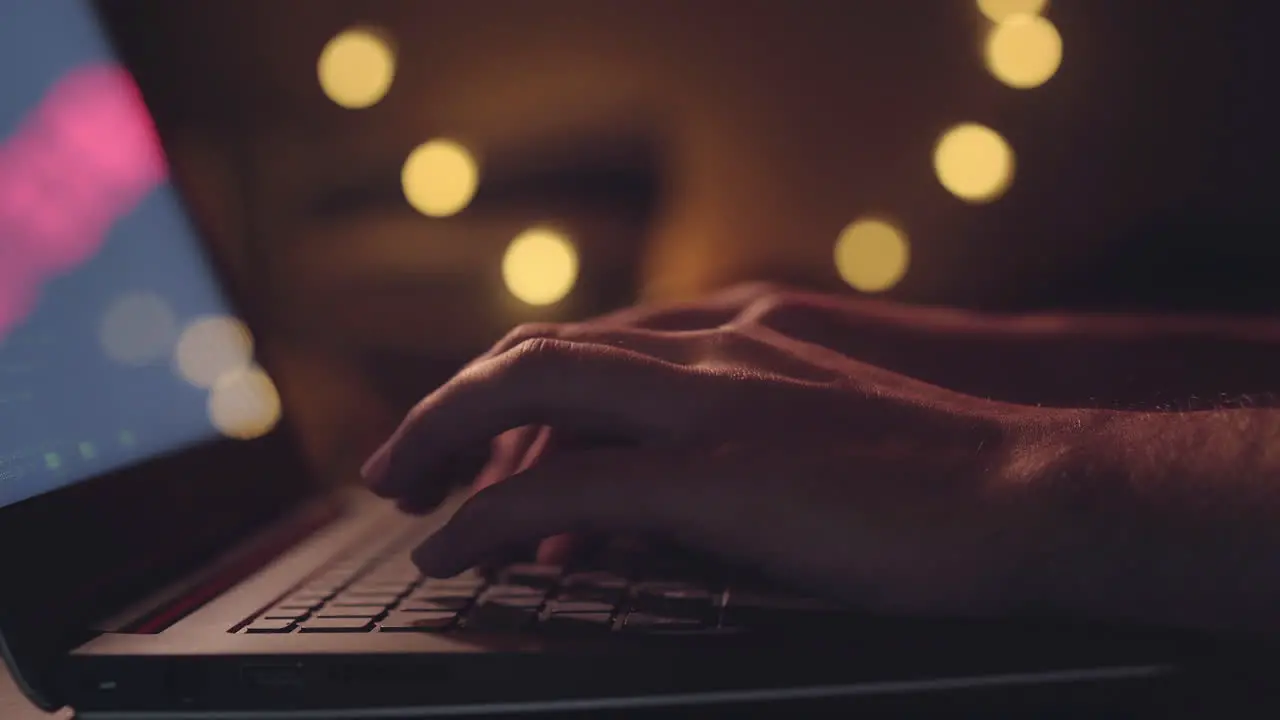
(580, 492)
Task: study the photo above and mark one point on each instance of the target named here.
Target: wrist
(1061, 486)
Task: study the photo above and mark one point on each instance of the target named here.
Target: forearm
(1162, 517)
(1122, 362)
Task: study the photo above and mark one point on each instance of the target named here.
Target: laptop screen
(116, 343)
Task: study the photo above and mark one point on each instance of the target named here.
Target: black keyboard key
(500, 618)
(364, 600)
(594, 579)
(274, 625)
(434, 604)
(527, 602)
(418, 621)
(337, 625)
(429, 592)
(579, 606)
(514, 591)
(531, 575)
(597, 622)
(648, 623)
(673, 600)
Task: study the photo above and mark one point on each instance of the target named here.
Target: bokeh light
(872, 255)
(439, 178)
(356, 68)
(245, 404)
(1024, 51)
(540, 266)
(212, 347)
(1001, 10)
(974, 162)
(138, 328)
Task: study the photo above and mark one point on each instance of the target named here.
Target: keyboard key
(594, 579)
(346, 599)
(418, 621)
(281, 625)
(303, 603)
(645, 622)
(339, 611)
(499, 618)
(429, 605)
(378, 588)
(337, 625)
(580, 606)
(514, 591)
(286, 613)
(529, 602)
(306, 593)
(531, 575)
(429, 592)
(579, 622)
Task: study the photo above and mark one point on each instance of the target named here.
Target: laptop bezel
(73, 555)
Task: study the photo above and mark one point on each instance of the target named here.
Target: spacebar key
(337, 625)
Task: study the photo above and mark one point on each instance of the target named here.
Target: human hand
(817, 469)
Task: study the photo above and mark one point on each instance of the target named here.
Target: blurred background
(393, 184)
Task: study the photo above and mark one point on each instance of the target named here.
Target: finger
(659, 344)
(509, 452)
(557, 549)
(578, 387)
(704, 314)
(711, 312)
(458, 467)
(599, 490)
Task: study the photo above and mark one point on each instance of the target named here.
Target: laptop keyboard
(388, 594)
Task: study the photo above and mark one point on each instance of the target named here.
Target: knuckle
(534, 353)
(529, 331)
(767, 309)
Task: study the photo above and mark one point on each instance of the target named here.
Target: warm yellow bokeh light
(439, 178)
(138, 328)
(244, 404)
(1024, 52)
(212, 347)
(540, 266)
(1001, 10)
(872, 255)
(974, 162)
(356, 68)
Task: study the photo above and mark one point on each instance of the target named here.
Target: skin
(702, 424)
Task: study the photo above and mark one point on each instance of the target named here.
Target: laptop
(165, 552)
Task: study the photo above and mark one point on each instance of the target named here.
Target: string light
(540, 266)
(872, 255)
(1024, 51)
(439, 178)
(1001, 10)
(974, 162)
(212, 347)
(245, 404)
(356, 68)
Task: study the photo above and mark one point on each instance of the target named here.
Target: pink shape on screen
(80, 161)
